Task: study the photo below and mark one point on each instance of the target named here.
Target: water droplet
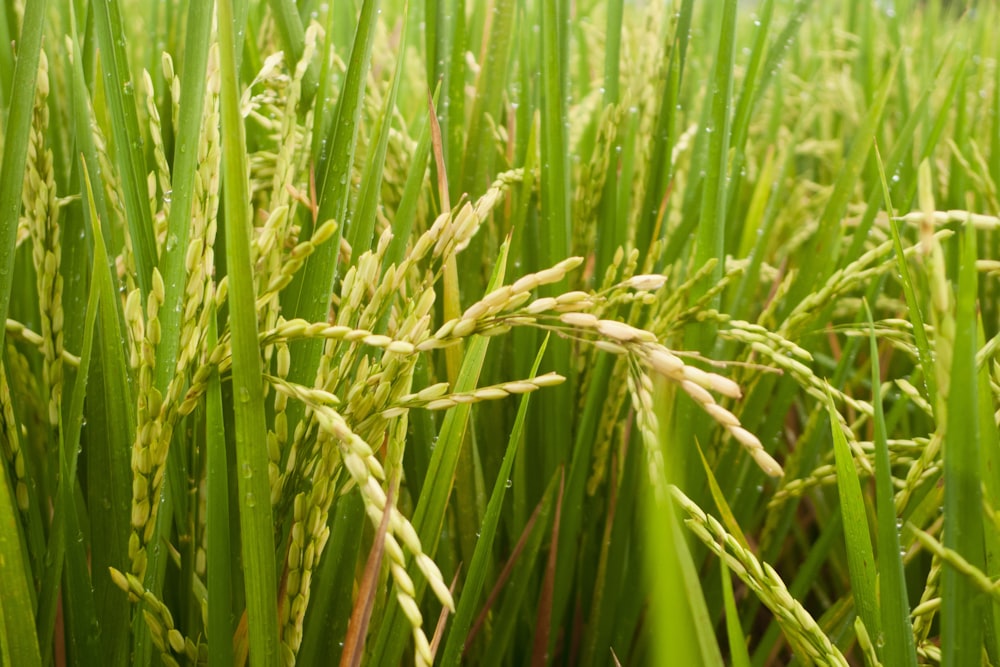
(509, 483)
(247, 470)
(244, 395)
(250, 500)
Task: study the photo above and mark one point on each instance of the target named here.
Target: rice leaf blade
(248, 386)
(961, 604)
(860, 554)
(740, 656)
(17, 606)
(896, 642)
(218, 552)
(479, 566)
(308, 295)
(490, 84)
(110, 411)
(15, 146)
(363, 224)
(120, 95)
(990, 452)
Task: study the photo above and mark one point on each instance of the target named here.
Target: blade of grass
(659, 168)
(860, 554)
(308, 295)
(728, 520)
(6, 68)
(480, 564)
(110, 412)
(606, 241)
(601, 591)
(961, 604)
(17, 608)
(66, 540)
(452, 127)
(738, 654)
(84, 138)
(15, 148)
(20, 636)
(909, 293)
(80, 621)
(250, 427)
(759, 75)
(895, 644)
(682, 624)
(490, 85)
(543, 619)
(20, 641)
(682, 628)
(402, 223)
(555, 183)
(554, 245)
(362, 228)
(517, 580)
(990, 451)
(119, 92)
(218, 553)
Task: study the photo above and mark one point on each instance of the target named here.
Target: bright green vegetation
(669, 337)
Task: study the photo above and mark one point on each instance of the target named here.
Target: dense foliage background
(281, 281)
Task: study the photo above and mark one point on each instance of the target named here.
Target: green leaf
(17, 132)
(897, 645)
(962, 606)
(490, 85)
(519, 578)
(990, 451)
(308, 295)
(860, 554)
(248, 386)
(739, 655)
(111, 413)
(363, 224)
(711, 234)
(909, 293)
(17, 608)
(119, 92)
(218, 552)
(480, 565)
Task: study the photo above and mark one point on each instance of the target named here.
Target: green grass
(279, 280)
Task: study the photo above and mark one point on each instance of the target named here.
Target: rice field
(513, 332)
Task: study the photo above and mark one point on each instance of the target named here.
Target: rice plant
(499, 333)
